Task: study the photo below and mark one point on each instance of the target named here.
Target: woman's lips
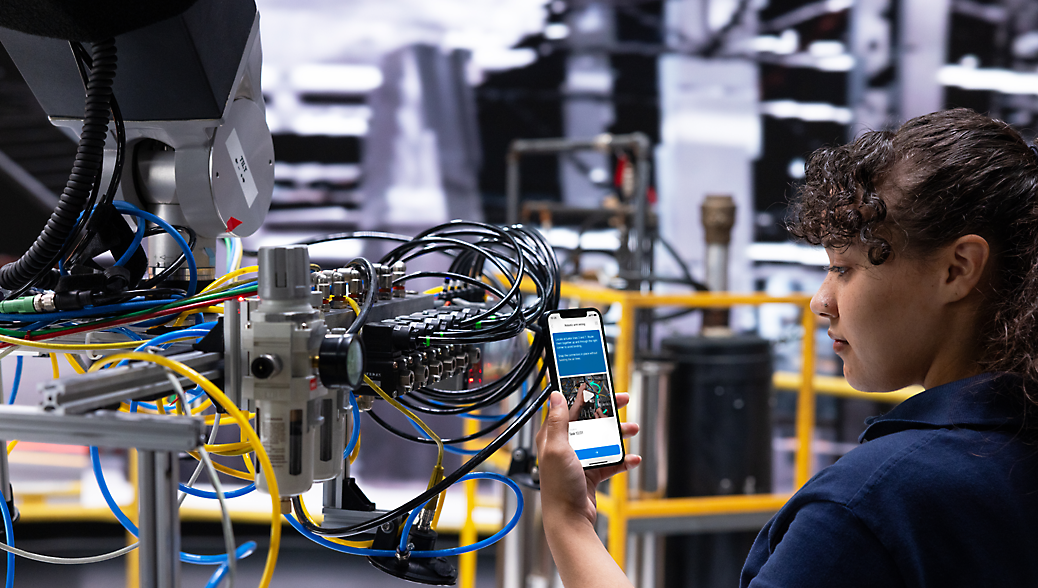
(838, 343)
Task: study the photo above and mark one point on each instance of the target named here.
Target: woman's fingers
(629, 429)
(574, 410)
(555, 430)
(597, 475)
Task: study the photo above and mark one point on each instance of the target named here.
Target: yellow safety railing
(617, 505)
(468, 534)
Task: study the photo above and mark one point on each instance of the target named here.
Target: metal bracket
(83, 393)
(104, 429)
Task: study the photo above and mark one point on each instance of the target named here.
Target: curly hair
(938, 177)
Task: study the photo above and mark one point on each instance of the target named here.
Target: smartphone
(579, 368)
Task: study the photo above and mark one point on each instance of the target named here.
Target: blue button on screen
(592, 452)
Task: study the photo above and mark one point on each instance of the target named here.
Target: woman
(932, 237)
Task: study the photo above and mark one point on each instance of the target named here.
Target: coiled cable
(44, 253)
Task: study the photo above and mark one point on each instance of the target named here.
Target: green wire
(217, 293)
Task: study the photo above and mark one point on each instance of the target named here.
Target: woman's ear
(966, 260)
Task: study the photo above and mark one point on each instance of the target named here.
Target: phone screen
(581, 370)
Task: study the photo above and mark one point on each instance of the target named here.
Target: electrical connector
(18, 305)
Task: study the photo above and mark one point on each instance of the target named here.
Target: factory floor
(301, 563)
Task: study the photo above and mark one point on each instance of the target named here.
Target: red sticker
(233, 224)
(313, 383)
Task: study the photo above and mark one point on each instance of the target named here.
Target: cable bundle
(513, 266)
(501, 261)
(82, 187)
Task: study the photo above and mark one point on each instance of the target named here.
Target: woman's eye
(836, 269)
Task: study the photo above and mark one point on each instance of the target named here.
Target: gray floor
(301, 563)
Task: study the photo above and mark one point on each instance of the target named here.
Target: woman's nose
(823, 303)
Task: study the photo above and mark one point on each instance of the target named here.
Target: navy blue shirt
(942, 492)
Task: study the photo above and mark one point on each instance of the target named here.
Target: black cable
(486, 395)
(453, 441)
(369, 294)
(518, 253)
(374, 235)
(423, 238)
(90, 229)
(544, 274)
(447, 482)
(483, 395)
(486, 230)
(684, 266)
(44, 253)
(706, 49)
(715, 42)
(699, 286)
(192, 238)
(83, 62)
(148, 293)
(452, 275)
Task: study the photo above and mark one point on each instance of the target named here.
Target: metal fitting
(399, 270)
(323, 284)
(425, 518)
(266, 366)
(435, 370)
(44, 302)
(385, 281)
(354, 283)
(421, 375)
(406, 382)
(338, 281)
(461, 361)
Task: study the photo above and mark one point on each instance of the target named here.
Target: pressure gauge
(341, 361)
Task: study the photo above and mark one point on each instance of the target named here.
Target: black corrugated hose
(85, 174)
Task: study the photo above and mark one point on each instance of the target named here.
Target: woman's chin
(863, 383)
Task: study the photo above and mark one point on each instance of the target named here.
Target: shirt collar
(985, 401)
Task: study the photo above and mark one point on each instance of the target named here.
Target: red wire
(121, 321)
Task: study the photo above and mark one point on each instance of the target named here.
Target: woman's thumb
(558, 415)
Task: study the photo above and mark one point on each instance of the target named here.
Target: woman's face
(883, 319)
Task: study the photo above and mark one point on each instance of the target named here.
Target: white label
(275, 440)
(241, 168)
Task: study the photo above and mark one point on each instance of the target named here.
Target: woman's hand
(578, 403)
(568, 502)
(567, 490)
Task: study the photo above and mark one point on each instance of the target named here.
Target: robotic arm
(190, 132)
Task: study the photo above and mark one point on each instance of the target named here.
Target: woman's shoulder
(966, 434)
(929, 459)
(908, 479)
(891, 463)
(953, 457)
(940, 506)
